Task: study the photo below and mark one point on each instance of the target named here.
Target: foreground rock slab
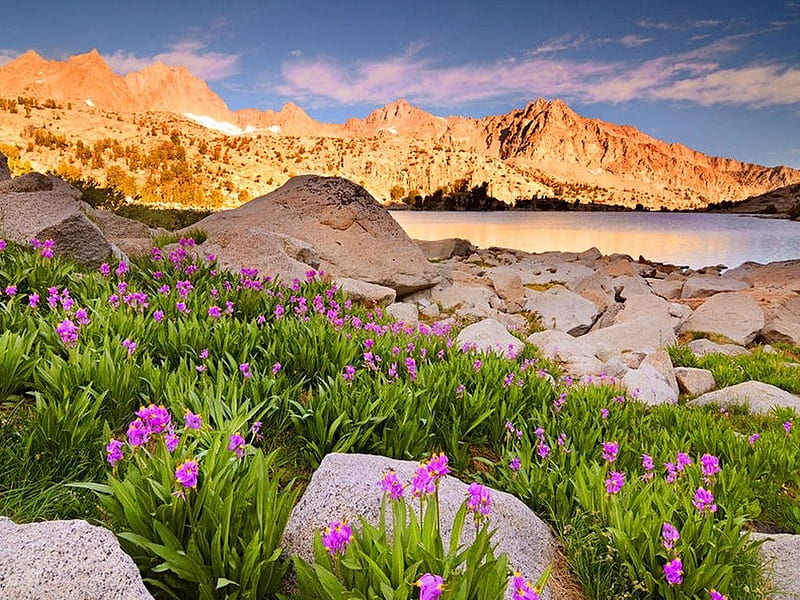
(345, 487)
(760, 397)
(65, 560)
(781, 552)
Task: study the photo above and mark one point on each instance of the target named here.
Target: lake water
(692, 239)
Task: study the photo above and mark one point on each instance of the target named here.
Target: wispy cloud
(192, 54)
(569, 41)
(693, 76)
(7, 55)
(634, 41)
(678, 25)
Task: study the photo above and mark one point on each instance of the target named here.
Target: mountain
(165, 114)
(159, 87)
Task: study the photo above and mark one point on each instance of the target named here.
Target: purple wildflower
(187, 473)
(704, 501)
(610, 451)
(430, 586)
(236, 444)
(753, 439)
(673, 572)
(114, 451)
(515, 464)
(614, 482)
(129, 345)
(523, 590)
(709, 466)
(391, 485)
(715, 595)
(155, 418)
(479, 501)
(437, 466)
(336, 537)
(276, 368)
(215, 312)
(137, 433)
(68, 332)
(349, 373)
(192, 421)
(670, 535)
(244, 369)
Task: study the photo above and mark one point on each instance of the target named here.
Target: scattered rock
(445, 249)
(781, 331)
(576, 356)
(345, 487)
(702, 347)
(508, 285)
(703, 286)
(65, 560)
(735, 315)
(648, 386)
(563, 310)
(628, 286)
(461, 295)
(694, 381)
(353, 235)
(660, 360)
(775, 275)
(781, 554)
(404, 313)
(368, 293)
(489, 335)
(758, 396)
(640, 335)
(669, 288)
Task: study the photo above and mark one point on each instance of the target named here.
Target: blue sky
(722, 77)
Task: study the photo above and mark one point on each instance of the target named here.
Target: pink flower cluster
(336, 537)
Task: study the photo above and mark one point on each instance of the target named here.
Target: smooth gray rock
(694, 381)
(406, 313)
(370, 293)
(758, 396)
(736, 315)
(345, 486)
(647, 385)
(781, 554)
(65, 560)
(628, 286)
(702, 347)
(461, 296)
(351, 233)
(703, 286)
(784, 275)
(489, 335)
(646, 305)
(563, 310)
(508, 285)
(781, 330)
(130, 236)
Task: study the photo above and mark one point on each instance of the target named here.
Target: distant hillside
(783, 201)
(164, 135)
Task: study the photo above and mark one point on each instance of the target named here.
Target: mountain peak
(90, 59)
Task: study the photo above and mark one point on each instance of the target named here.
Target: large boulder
(52, 214)
(489, 335)
(758, 396)
(350, 232)
(575, 356)
(65, 560)
(735, 315)
(130, 236)
(783, 275)
(702, 347)
(345, 487)
(563, 310)
(781, 554)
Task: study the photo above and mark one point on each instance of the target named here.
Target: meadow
(185, 407)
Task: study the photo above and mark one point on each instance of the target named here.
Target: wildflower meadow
(185, 408)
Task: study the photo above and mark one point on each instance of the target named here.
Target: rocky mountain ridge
(543, 149)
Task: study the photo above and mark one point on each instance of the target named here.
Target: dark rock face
(5, 172)
(350, 233)
(30, 182)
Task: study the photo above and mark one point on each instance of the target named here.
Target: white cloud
(633, 41)
(191, 54)
(693, 76)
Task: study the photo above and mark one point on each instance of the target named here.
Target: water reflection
(695, 240)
